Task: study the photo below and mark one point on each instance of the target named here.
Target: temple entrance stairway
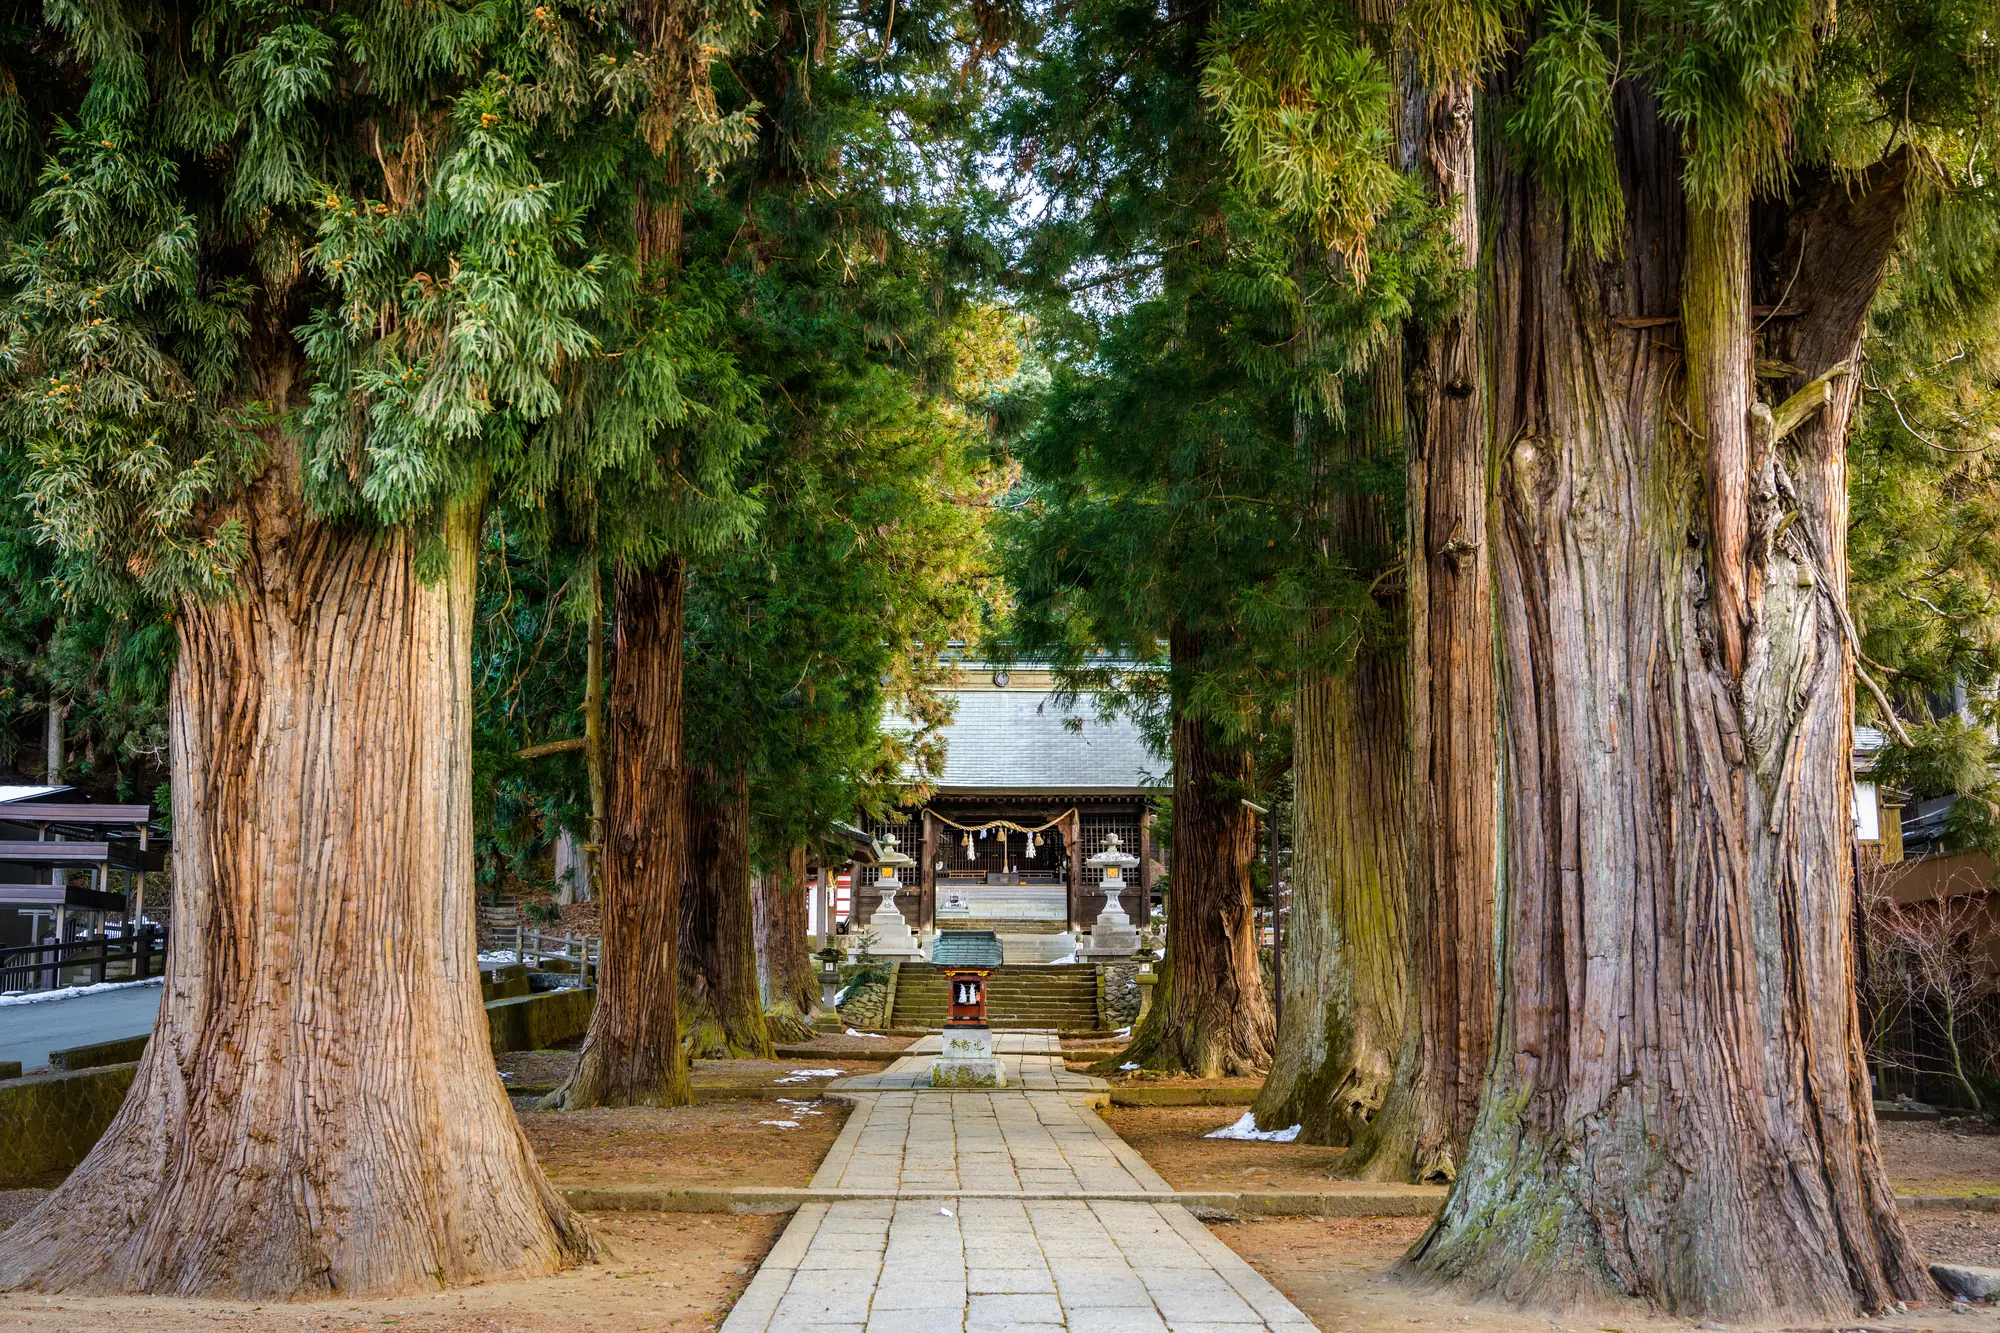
(1059, 996)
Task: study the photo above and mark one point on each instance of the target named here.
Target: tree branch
(551, 747)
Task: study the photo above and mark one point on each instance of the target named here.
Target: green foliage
(107, 667)
(1301, 102)
(1562, 120)
(1924, 530)
(1187, 434)
(843, 237)
(1728, 75)
(121, 363)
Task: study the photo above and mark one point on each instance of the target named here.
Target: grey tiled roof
(1017, 740)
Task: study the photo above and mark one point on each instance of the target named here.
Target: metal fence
(133, 954)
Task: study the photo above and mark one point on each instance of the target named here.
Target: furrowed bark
(1678, 1109)
(317, 1113)
(1346, 951)
(1214, 1018)
(632, 1051)
(784, 954)
(725, 1012)
(1421, 1131)
(594, 761)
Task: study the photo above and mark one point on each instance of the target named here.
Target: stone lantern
(1114, 935)
(893, 938)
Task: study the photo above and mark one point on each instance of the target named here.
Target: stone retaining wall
(53, 1120)
(538, 1022)
(98, 1054)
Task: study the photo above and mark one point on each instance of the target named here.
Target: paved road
(28, 1032)
(997, 1221)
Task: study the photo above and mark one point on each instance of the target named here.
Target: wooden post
(927, 874)
(1073, 836)
(1144, 915)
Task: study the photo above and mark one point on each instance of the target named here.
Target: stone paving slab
(1006, 1266)
(1008, 1211)
(1030, 1060)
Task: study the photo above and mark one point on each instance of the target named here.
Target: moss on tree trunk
(718, 957)
(1422, 1128)
(1215, 1018)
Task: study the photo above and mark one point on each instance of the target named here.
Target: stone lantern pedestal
(1114, 935)
(894, 941)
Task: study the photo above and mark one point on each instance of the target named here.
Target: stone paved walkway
(996, 1220)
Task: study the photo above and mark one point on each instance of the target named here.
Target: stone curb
(1125, 1094)
(1417, 1201)
(1414, 1201)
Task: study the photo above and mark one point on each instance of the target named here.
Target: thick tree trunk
(632, 1052)
(784, 953)
(1421, 1131)
(1345, 951)
(1215, 1018)
(317, 1113)
(1346, 955)
(1678, 1109)
(718, 926)
(594, 760)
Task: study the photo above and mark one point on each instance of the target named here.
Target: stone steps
(1062, 996)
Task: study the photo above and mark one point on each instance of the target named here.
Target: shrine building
(1032, 789)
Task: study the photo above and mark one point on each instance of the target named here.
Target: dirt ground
(1336, 1271)
(1922, 1158)
(1928, 1158)
(547, 1069)
(1170, 1137)
(708, 1144)
(839, 1043)
(662, 1273)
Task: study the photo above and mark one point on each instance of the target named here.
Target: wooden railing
(50, 965)
(532, 946)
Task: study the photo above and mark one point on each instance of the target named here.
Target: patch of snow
(801, 1075)
(1130, 1064)
(495, 957)
(1246, 1128)
(71, 992)
(871, 1036)
(840, 996)
(781, 1124)
(1124, 1032)
(944, 1212)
